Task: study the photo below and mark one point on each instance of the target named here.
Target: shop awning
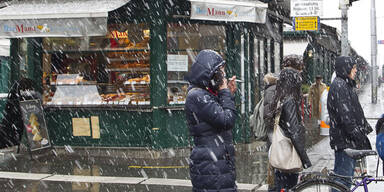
(231, 11)
(56, 18)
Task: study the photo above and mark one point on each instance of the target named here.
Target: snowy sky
(359, 27)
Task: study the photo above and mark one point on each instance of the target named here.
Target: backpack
(380, 137)
(256, 121)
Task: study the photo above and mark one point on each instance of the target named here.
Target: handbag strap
(277, 117)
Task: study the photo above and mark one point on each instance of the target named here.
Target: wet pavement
(322, 156)
(141, 172)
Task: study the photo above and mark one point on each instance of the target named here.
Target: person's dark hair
(294, 61)
(288, 85)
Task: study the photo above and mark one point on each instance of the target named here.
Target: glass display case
(110, 70)
(184, 42)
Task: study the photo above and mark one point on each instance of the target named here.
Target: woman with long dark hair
(287, 100)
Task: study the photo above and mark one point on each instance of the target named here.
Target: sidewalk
(321, 154)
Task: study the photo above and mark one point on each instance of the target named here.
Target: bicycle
(325, 180)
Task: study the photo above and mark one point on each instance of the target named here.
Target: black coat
(349, 128)
(12, 126)
(210, 120)
(269, 94)
(293, 128)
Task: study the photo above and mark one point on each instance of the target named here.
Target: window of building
(109, 70)
(184, 42)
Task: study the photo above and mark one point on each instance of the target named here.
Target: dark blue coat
(210, 119)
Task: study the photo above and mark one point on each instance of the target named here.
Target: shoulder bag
(282, 154)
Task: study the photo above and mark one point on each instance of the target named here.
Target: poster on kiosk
(34, 124)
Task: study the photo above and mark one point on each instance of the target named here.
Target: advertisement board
(34, 124)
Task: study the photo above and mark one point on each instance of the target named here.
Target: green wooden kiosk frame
(161, 125)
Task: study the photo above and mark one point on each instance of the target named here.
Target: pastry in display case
(109, 70)
(177, 92)
(129, 73)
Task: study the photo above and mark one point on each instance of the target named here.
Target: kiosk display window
(109, 70)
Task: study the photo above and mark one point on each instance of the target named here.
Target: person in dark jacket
(270, 81)
(211, 113)
(288, 92)
(12, 126)
(349, 128)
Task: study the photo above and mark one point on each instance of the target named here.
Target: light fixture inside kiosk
(109, 70)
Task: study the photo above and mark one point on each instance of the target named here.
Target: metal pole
(373, 52)
(344, 29)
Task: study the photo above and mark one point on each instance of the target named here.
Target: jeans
(285, 180)
(344, 165)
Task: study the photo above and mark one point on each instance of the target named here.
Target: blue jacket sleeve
(220, 114)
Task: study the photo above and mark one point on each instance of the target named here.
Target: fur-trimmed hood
(270, 79)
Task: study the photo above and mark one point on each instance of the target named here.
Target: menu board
(35, 125)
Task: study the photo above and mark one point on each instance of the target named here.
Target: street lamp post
(344, 28)
(373, 52)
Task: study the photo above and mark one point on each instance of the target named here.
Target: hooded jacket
(348, 126)
(290, 119)
(210, 119)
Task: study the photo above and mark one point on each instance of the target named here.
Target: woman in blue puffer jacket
(211, 113)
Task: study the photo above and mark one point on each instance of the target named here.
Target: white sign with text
(177, 62)
(304, 8)
(230, 11)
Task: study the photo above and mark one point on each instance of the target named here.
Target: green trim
(252, 78)
(34, 62)
(233, 68)
(14, 61)
(158, 67)
(5, 74)
(245, 118)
